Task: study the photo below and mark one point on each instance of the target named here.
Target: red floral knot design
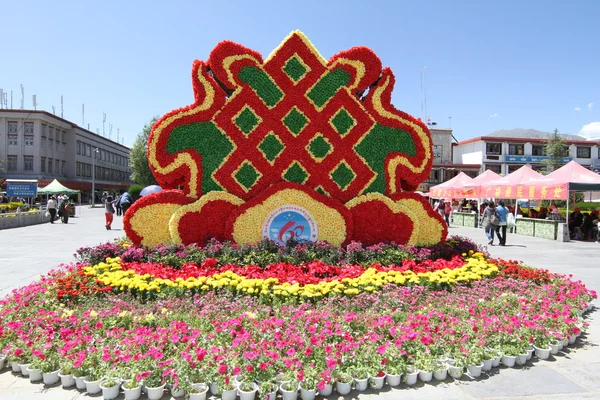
(294, 117)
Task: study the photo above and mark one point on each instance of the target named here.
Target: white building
(505, 151)
(42, 146)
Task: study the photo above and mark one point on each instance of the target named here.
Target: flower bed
(184, 315)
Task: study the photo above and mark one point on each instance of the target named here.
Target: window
(28, 140)
(44, 129)
(88, 150)
(538, 150)
(50, 143)
(493, 148)
(434, 175)
(78, 169)
(88, 170)
(28, 127)
(494, 167)
(56, 165)
(12, 163)
(516, 149)
(28, 163)
(51, 132)
(64, 137)
(13, 127)
(63, 169)
(43, 142)
(584, 152)
(513, 168)
(13, 139)
(57, 144)
(43, 164)
(437, 153)
(50, 165)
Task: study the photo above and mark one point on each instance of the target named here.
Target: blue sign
(21, 189)
(533, 159)
(290, 222)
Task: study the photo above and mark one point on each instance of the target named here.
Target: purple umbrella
(150, 189)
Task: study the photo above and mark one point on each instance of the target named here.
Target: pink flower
(222, 369)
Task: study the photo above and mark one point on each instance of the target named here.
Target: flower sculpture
(291, 147)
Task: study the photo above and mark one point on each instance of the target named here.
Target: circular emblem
(290, 222)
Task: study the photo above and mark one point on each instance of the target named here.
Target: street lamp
(94, 152)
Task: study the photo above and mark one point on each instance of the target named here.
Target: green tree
(138, 157)
(556, 148)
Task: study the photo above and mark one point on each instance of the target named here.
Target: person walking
(126, 200)
(502, 213)
(109, 211)
(488, 221)
(440, 208)
(118, 208)
(65, 209)
(52, 208)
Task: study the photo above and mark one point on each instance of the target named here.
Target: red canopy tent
(485, 176)
(454, 188)
(523, 183)
(574, 176)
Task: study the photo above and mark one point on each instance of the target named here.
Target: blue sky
(490, 64)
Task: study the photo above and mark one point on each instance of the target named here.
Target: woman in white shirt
(52, 209)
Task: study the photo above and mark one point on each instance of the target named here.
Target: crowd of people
(497, 217)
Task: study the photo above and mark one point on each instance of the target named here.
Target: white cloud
(591, 130)
(494, 115)
(577, 108)
(590, 106)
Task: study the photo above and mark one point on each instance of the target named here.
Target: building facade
(506, 151)
(444, 168)
(39, 145)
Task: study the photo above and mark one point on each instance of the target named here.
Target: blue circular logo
(290, 223)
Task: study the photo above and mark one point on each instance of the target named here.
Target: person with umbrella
(125, 201)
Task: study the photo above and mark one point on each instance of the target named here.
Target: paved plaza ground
(28, 252)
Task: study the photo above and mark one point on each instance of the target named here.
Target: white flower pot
(475, 370)
(287, 394)
(249, 395)
(110, 392)
(15, 366)
(440, 374)
(199, 396)
(425, 376)
(50, 378)
(35, 375)
(564, 343)
(521, 359)
(270, 396)
(80, 382)
(509, 361)
(554, 348)
(529, 354)
(590, 306)
(393, 380)
(93, 387)
(66, 380)
(496, 361)
(132, 394)
(177, 392)
(155, 393)
(23, 369)
(343, 388)
(542, 354)
(487, 365)
(327, 390)
(2, 363)
(572, 339)
(362, 384)
(378, 382)
(307, 394)
(455, 372)
(410, 378)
